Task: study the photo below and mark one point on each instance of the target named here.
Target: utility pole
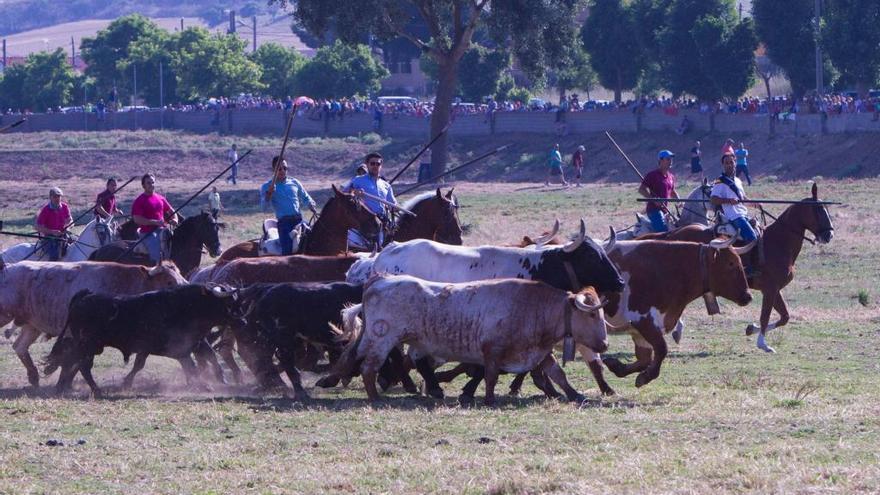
(134, 96)
(181, 24)
(231, 29)
(161, 99)
(72, 53)
(255, 34)
(820, 84)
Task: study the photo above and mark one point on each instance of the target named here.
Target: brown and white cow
(504, 325)
(662, 278)
(35, 295)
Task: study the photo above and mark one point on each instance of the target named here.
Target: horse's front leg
(770, 297)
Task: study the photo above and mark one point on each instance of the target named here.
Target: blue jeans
(52, 248)
(153, 243)
(234, 175)
(658, 223)
(746, 231)
(285, 227)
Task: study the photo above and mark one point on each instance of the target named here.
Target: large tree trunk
(767, 85)
(618, 88)
(448, 76)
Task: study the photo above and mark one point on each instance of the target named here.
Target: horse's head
(348, 211)
(205, 229)
(442, 211)
(815, 217)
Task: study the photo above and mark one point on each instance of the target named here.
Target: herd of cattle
(416, 304)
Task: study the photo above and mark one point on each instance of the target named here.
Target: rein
(792, 229)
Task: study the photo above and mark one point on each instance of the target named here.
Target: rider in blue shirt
(373, 183)
(287, 196)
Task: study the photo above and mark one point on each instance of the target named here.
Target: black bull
(172, 323)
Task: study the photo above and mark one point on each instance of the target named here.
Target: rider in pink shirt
(150, 211)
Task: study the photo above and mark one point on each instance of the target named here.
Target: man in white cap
(52, 222)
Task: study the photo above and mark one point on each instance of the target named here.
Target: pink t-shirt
(660, 187)
(150, 206)
(54, 218)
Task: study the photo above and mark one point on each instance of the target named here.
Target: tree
(279, 65)
(615, 53)
(213, 65)
(109, 47)
(535, 31)
(146, 54)
(787, 30)
(852, 39)
(481, 70)
(341, 70)
(573, 71)
(766, 70)
(43, 81)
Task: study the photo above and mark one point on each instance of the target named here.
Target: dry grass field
(724, 417)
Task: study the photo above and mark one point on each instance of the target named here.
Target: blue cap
(665, 154)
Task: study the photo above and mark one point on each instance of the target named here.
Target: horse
(776, 254)
(80, 249)
(692, 213)
(186, 245)
(436, 219)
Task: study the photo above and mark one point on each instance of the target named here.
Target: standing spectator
(742, 163)
(727, 147)
(101, 109)
(554, 166)
(697, 161)
(214, 202)
(577, 161)
(232, 157)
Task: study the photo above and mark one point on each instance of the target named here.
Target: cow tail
(352, 325)
(56, 356)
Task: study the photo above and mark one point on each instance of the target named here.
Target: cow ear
(335, 191)
(815, 192)
(449, 194)
(439, 194)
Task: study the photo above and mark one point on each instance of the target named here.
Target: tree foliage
(45, 80)
(706, 50)
(481, 70)
(788, 33)
(574, 71)
(852, 39)
(615, 53)
(145, 54)
(279, 67)
(341, 70)
(105, 52)
(207, 64)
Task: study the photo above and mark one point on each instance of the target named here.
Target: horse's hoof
(513, 392)
(577, 398)
(643, 379)
(607, 391)
(327, 382)
(436, 393)
(614, 365)
(466, 400)
(767, 348)
(751, 329)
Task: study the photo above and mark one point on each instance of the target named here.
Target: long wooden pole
(271, 190)
(631, 164)
(765, 201)
(424, 149)
(463, 165)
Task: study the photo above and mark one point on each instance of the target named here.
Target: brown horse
(436, 219)
(329, 234)
(186, 243)
(775, 256)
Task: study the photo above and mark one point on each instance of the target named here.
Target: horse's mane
(412, 202)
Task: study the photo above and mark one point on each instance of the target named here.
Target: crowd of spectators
(782, 107)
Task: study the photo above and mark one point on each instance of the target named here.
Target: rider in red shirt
(53, 220)
(659, 183)
(152, 213)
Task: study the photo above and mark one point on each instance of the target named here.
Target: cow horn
(222, 290)
(715, 243)
(611, 240)
(581, 305)
(544, 239)
(744, 249)
(582, 234)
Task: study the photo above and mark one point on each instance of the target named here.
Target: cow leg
(139, 361)
(476, 374)
(65, 378)
(551, 368)
(224, 347)
(543, 384)
(594, 362)
(767, 305)
(643, 359)
(258, 355)
(26, 337)
(374, 352)
(657, 340)
(207, 358)
(516, 384)
(425, 367)
(394, 370)
(492, 371)
(85, 368)
(191, 372)
(449, 375)
(289, 363)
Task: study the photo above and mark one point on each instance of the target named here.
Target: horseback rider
(105, 208)
(728, 194)
(153, 214)
(286, 195)
(52, 222)
(373, 183)
(659, 183)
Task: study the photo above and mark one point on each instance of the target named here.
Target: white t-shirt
(232, 156)
(214, 200)
(732, 212)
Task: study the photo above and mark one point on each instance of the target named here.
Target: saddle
(722, 226)
(270, 243)
(164, 243)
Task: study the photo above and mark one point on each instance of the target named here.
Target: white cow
(34, 295)
(504, 325)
